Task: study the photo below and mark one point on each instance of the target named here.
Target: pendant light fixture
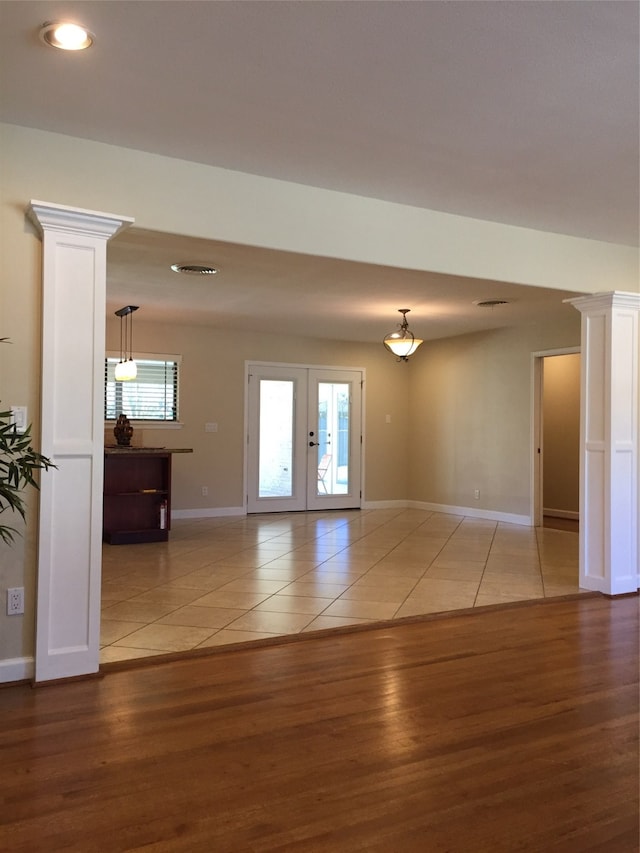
(402, 343)
(126, 368)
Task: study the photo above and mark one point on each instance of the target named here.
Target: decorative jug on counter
(123, 431)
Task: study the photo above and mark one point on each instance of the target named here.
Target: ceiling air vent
(490, 303)
(194, 269)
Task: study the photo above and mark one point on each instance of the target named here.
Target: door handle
(314, 443)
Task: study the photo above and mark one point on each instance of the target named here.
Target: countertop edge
(146, 451)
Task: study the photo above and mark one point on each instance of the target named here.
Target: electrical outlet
(15, 600)
(211, 427)
(476, 494)
(205, 491)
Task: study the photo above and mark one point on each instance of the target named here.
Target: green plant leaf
(19, 462)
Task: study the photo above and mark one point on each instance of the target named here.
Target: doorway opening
(556, 439)
(304, 438)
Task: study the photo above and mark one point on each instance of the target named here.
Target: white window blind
(151, 396)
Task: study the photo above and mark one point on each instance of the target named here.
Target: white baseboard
(208, 512)
(385, 504)
(16, 669)
(622, 586)
(561, 513)
(474, 512)
(469, 511)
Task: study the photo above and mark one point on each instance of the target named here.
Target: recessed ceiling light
(194, 269)
(66, 36)
(490, 303)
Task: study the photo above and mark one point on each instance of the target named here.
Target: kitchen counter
(137, 493)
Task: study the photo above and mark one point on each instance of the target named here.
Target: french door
(303, 438)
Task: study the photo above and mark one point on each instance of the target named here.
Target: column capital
(72, 220)
(600, 301)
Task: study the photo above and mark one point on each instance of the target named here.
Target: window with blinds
(151, 396)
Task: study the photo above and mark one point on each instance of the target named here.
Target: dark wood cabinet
(137, 496)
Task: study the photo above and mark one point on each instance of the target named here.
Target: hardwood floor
(509, 729)
(553, 523)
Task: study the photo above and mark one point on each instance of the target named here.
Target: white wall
(471, 416)
(460, 411)
(175, 196)
(212, 389)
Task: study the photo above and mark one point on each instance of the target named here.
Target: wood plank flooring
(509, 729)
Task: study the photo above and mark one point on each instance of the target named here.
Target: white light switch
(211, 427)
(19, 417)
(388, 418)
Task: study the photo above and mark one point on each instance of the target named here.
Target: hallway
(228, 580)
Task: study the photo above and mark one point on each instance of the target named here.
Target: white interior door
(303, 438)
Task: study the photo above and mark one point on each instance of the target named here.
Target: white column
(610, 457)
(72, 430)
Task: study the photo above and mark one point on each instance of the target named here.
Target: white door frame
(537, 415)
(253, 364)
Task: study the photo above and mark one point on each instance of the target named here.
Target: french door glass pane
(333, 438)
(275, 465)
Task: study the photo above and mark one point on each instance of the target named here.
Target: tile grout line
(226, 627)
(484, 568)
(358, 534)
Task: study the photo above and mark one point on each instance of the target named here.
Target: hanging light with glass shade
(402, 343)
(126, 368)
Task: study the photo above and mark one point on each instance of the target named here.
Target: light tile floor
(228, 580)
